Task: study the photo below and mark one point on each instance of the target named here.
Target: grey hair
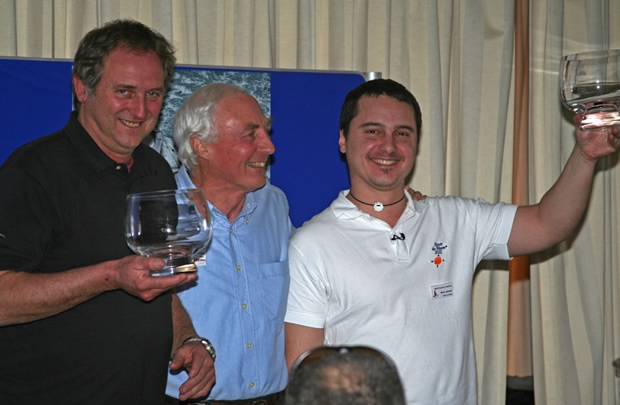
(195, 116)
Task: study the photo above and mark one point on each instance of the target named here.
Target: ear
(342, 142)
(199, 147)
(81, 92)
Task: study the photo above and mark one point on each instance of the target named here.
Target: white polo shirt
(408, 296)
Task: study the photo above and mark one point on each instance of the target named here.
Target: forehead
(239, 108)
(384, 109)
(123, 64)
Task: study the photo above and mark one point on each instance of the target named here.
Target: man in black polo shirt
(81, 320)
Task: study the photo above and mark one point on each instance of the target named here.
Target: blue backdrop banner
(36, 99)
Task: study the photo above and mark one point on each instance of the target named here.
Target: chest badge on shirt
(442, 291)
(438, 249)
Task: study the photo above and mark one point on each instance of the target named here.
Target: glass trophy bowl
(174, 225)
(590, 84)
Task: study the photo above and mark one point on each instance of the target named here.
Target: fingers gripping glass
(174, 225)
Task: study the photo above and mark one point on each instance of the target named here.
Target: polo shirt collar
(345, 209)
(87, 147)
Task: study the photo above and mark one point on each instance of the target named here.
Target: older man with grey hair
(239, 299)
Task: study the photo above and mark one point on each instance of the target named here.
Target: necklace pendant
(378, 207)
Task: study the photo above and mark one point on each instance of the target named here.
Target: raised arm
(553, 219)
(26, 297)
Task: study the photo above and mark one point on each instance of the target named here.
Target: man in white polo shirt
(377, 268)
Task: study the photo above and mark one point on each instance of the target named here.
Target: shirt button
(252, 385)
(119, 167)
(238, 267)
(231, 230)
(244, 306)
(249, 345)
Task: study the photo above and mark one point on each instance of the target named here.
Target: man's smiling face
(125, 105)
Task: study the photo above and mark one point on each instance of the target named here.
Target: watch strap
(205, 342)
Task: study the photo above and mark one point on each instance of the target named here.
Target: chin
(259, 185)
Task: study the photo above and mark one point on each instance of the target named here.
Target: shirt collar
(88, 148)
(345, 209)
(185, 181)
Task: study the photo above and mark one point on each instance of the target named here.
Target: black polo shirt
(62, 206)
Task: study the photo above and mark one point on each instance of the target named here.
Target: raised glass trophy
(174, 225)
(590, 84)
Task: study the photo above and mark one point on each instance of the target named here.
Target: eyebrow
(378, 124)
(134, 87)
(252, 127)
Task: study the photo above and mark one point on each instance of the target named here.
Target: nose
(387, 143)
(266, 145)
(139, 107)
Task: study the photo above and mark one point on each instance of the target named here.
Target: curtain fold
(575, 322)
(458, 58)
(519, 353)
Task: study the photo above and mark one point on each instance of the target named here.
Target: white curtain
(456, 56)
(575, 288)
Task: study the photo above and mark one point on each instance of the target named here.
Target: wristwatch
(205, 342)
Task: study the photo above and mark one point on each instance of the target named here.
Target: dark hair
(376, 88)
(132, 35)
(345, 378)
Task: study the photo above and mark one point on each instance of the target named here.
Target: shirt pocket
(275, 280)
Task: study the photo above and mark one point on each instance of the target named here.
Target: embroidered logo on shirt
(438, 248)
(442, 291)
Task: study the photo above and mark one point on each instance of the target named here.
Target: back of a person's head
(346, 378)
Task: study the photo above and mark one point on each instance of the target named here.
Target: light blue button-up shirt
(239, 299)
